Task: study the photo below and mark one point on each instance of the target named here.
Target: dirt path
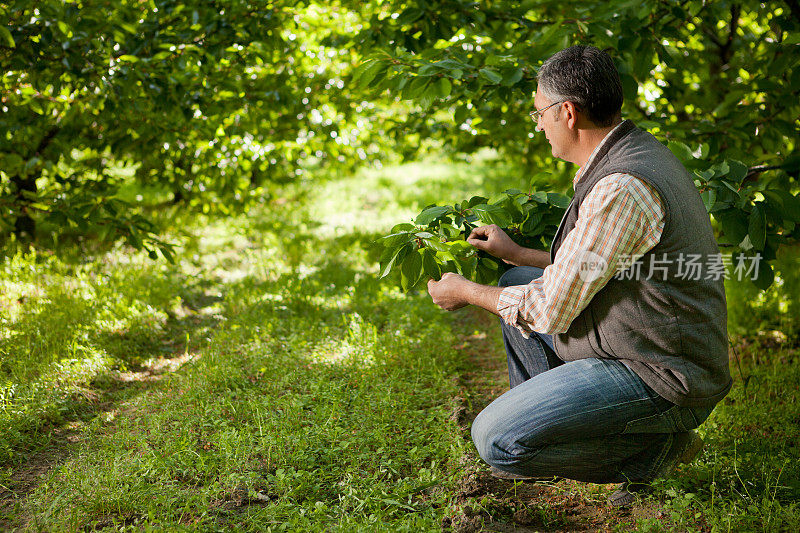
(505, 505)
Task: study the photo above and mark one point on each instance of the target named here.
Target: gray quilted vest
(669, 329)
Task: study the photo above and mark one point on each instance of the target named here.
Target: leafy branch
(435, 242)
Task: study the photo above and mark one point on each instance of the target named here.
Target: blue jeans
(591, 420)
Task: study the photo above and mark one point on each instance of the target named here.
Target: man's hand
(450, 292)
(494, 240)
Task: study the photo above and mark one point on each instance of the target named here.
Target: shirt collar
(594, 152)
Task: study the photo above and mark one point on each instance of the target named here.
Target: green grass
(748, 476)
(309, 395)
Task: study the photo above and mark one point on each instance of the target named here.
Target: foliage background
(209, 103)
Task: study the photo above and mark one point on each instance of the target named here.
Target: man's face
(548, 123)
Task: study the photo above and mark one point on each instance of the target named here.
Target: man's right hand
(492, 239)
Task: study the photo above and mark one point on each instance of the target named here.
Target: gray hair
(585, 76)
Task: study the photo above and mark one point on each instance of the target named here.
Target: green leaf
(360, 69)
(490, 75)
(436, 244)
(370, 74)
(787, 205)
(492, 214)
(129, 58)
(168, 254)
(558, 200)
(681, 151)
(415, 88)
(532, 224)
(133, 238)
(409, 15)
(512, 76)
(133, 29)
(443, 87)
(792, 163)
(727, 186)
(411, 270)
(757, 227)
(738, 170)
(719, 169)
(709, 197)
(630, 87)
(428, 96)
(704, 175)
(549, 33)
(540, 179)
(486, 271)
(403, 226)
(539, 196)
(449, 231)
(427, 70)
(395, 239)
(393, 256)
(765, 275)
(792, 38)
(489, 263)
(430, 265)
(467, 266)
(430, 214)
(475, 200)
(733, 223)
(6, 37)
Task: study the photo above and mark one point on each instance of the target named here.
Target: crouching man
(616, 350)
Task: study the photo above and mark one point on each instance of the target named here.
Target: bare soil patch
(26, 478)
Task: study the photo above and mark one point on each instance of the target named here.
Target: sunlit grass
(297, 375)
(268, 380)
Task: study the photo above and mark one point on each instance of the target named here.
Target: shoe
(502, 474)
(627, 493)
(685, 447)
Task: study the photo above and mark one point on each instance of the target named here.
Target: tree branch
(758, 169)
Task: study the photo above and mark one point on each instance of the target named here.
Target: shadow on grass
(64, 359)
(308, 316)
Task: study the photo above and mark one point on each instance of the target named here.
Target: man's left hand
(450, 292)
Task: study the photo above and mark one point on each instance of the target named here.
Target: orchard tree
(213, 100)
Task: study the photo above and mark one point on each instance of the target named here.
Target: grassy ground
(268, 382)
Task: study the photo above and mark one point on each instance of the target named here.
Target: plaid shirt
(620, 219)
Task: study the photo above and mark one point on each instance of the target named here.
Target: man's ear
(570, 114)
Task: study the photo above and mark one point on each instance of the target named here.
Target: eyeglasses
(537, 113)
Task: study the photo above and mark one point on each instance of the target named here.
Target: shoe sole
(500, 474)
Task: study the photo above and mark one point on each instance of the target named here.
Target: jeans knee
(521, 275)
(481, 436)
(487, 437)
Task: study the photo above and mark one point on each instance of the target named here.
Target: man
(610, 371)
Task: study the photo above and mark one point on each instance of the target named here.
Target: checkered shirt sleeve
(619, 220)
